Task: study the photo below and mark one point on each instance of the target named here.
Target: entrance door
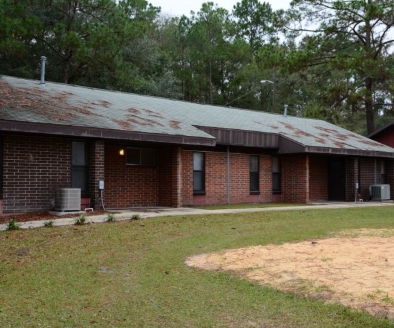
(336, 179)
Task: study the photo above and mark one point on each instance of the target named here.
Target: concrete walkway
(144, 213)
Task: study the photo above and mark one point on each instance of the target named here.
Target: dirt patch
(354, 268)
(35, 216)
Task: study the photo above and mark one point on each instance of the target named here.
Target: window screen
(198, 172)
(254, 177)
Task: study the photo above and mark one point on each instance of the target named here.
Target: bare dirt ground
(354, 268)
(34, 216)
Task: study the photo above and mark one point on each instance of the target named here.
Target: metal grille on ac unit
(68, 199)
(380, 192)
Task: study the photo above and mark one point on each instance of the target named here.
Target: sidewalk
(144, 213)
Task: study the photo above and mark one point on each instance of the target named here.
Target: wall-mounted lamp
(121, 152)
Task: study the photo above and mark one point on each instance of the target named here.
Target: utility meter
(101, 185)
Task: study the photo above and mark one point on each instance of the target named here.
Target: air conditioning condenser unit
(68, 199)
(380, 192)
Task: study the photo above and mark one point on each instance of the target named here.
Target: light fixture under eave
(121, 152)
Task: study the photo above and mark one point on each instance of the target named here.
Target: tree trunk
(369, 113)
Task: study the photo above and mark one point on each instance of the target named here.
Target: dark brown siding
(243, 138)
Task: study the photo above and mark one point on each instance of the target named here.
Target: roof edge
(87, 132)
(353, 152)
(384, 127)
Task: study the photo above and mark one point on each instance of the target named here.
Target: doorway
(336, 179)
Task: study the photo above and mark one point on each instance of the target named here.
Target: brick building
(157, 152)
(384, 135)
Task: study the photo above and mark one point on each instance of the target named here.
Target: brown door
(336, 179)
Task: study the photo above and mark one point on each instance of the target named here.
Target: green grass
(242, 206)
(132, 274)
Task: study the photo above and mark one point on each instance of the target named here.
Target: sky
(183, 7)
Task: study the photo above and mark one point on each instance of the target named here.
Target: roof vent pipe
(285, 111)
(43, 59)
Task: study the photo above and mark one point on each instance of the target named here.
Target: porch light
(121, 152)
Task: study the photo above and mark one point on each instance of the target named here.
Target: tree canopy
(323, 58)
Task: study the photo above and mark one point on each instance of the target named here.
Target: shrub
(80, 220)
(110, 217)
(135, 217)
(48, 224)
(12, 225)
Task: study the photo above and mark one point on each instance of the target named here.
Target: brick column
(351, 178)
(390, 176)
(170, 177)
(96, 168)
(295, 178)
(176, 176)
(307, 178)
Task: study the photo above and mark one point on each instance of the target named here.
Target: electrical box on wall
(101, 184)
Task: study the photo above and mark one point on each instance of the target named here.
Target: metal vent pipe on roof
(285, 111)
(43, 59)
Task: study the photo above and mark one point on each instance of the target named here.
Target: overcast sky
(183, 7)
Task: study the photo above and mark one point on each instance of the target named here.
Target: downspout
(179, 177)
(307, 198)
(102, 199)
(228, 174)
(357, 178)
(374, 173)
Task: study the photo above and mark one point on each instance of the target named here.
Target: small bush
(80, 220)
(135, 217)
(12, 225)
(110, 217)
(48, 224)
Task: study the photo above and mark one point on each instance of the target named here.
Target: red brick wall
(318, 184)
(390, 176)
(128, 185)
(369, 177)
(96, 168)
(134, 186)
(295, 171)
(34, 167)
(169, 173)
(187, 180)
(216, 179)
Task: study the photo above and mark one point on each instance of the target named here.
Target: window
(80, 167)
(276, 175)
(141, 156)
(198, 173)
(383, 178)
(254, 178)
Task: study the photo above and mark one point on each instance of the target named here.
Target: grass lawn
(242, 206)
(132, 274)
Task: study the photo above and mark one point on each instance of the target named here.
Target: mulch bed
(34, 216)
